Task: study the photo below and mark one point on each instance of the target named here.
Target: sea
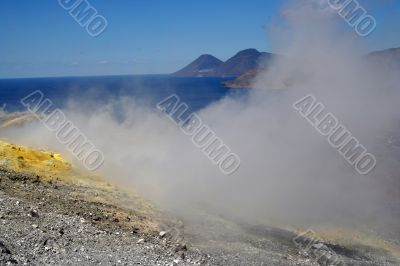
(146, 90)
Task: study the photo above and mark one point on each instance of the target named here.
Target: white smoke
(289, 173)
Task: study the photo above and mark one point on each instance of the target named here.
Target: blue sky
(40, 38)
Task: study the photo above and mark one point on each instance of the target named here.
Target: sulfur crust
(28, 160)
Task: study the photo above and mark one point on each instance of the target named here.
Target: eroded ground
(52, 215)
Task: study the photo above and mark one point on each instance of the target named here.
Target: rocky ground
(59, 223)
(235, 243)
(52, 215)
(48, 223)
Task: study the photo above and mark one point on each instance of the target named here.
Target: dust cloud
(289, 173)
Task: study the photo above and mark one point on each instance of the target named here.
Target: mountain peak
(209, 66)
(204, 65)
(250, 51)
(207, 56)
(389, 57)
(242, 62)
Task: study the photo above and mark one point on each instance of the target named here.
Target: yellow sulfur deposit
(28, 160)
